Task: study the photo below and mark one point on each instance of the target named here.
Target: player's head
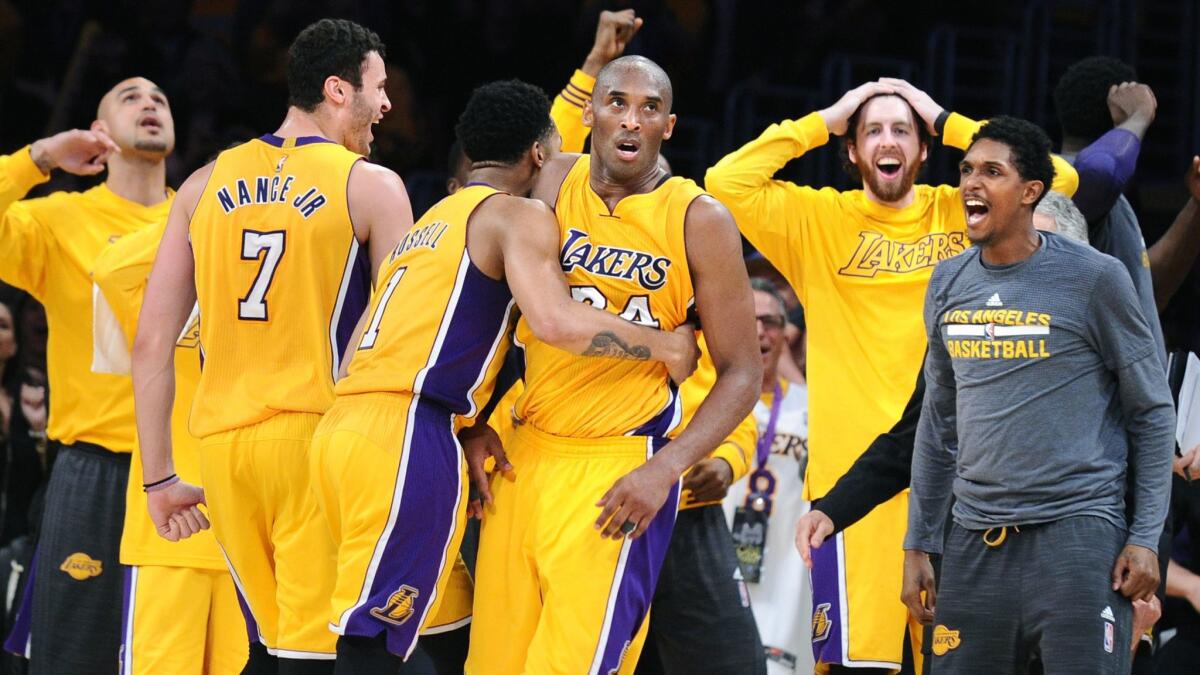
(630, 116)
(1003, 176)
(135, 113)
(1057, 213)
(771, 313)
(335, 68)
(1081, 96)
(458, 165)
(885, 146)
(507, 124)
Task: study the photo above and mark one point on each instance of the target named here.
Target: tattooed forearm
(607, 344)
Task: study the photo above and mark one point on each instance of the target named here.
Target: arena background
(737, 66)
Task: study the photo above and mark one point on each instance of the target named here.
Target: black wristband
(939, 125)
(147, 486)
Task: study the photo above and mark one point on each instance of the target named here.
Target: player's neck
(510, 179)
(898, 204)
(299, 123)
(137, 178)
(1012, 248)
(611, 190)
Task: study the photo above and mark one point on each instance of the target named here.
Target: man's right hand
(175, 511)
(78, 151)
(685, 356)
(613, 33)
(812, 530)
(1132, 106)
(918, 579)
(837, 116)
(478, 443)
(927, 108)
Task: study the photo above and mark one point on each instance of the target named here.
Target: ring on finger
(628, 526)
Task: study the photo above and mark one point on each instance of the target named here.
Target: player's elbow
(150, 347)
(549, 327)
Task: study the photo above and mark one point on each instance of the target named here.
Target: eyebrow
(651, 97)
(133, 87)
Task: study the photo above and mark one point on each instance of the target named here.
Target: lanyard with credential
(750, 520)
(762, 482)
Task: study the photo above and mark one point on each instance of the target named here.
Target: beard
(361, 116)
(889, 190)
(152, 145)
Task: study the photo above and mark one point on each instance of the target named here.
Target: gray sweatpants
(1045, 590)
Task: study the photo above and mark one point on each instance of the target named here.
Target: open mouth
(889, 167)
(628, 149)
(150, 123)
(977, 210)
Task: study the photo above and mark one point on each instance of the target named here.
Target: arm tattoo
(607, 344)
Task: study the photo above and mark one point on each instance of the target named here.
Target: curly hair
(1081, 95)
(1028, 145)
(328, 47)
(851, 136)
(502, 120)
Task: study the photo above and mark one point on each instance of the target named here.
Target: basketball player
(268, 239)
(550, 596)
(860, 261)
(181, 607)
(48, 247)
(772, 500)
(416, 374)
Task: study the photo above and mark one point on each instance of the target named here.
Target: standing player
(48, 247)
(267, 240)
(860, 261)
(772, 499)
(634, 241)
(181, 607)
(386, 466)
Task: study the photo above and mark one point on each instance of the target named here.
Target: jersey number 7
(269, 247)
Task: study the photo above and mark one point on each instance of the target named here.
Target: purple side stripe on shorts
(18, 639)
(637, 577)
(252, 633)
(827, 602)
(125, 658)
(418, 546)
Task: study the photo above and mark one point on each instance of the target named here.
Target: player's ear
(336, 89)
(1031, 190)
(670, 126)
(853, 156)
(538, 154)
(924, 151)
(99, 125)
(588, 114)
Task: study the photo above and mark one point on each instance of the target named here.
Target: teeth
(889, 162)
(974, 202)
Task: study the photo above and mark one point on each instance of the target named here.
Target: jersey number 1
(372, 332)
(253, 307)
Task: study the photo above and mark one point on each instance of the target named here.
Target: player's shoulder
(1076, 253)
(951, 268)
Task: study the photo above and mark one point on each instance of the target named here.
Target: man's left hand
(634, 499)
(709, 479)
(1136, 572)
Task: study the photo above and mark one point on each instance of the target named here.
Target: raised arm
(726, 308)
(527, 236)
(24, 242)
(957, 131)
(1172, 256)
(614, 30)
(170, 296)
(1106, 165)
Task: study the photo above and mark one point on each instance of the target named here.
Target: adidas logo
(994, 301)
(1107, 615)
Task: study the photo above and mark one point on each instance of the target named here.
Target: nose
(971, 181)
(387, 103)
(762, 328)
(630, 120)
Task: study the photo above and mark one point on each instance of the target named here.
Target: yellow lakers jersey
(280, 280)
(632, 262)
(437, 325)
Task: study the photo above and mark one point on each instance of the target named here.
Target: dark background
(737, 66)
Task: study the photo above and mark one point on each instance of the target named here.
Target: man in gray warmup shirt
(1043, 387)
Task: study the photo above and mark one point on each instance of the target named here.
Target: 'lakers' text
(609, 261)
(876, 253)
(268, 190)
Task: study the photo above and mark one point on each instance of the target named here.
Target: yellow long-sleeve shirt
(120, 273)
(48, 247)
(567, 111)
(860, 269)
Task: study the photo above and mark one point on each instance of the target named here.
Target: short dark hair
(767, 286)
(1028, 144)
(328, 47)
(1081, 95)
(502, 120)
(852, 134)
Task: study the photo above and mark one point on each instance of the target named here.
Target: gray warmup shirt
(1031, 369)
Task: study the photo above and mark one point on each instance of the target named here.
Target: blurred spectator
(22, 421)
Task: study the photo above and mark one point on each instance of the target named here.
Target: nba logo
(1108, 637)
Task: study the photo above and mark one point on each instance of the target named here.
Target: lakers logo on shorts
(821, 624)
(944, 640)
(81, 566)
(399, 606)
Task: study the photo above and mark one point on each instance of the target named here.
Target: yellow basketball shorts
(858, 619)
(552, 596)
(454, 610)
(183, 621)
(391, 479)
(267, 522)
